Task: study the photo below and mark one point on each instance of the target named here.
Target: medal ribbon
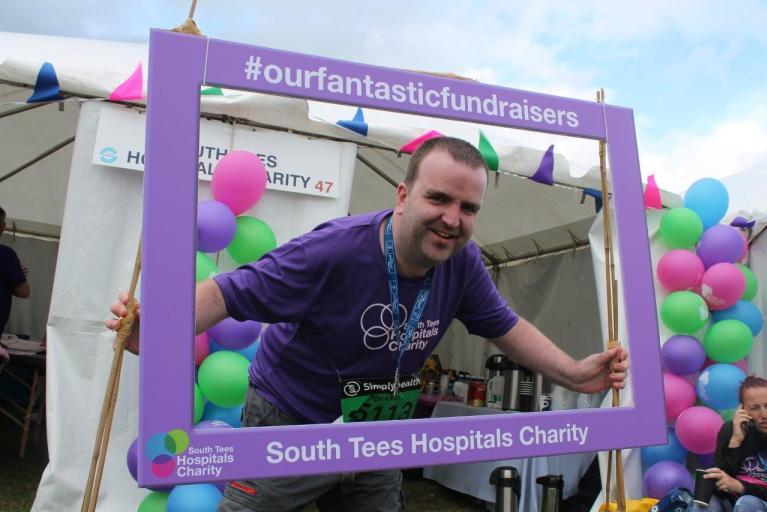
(418, 307)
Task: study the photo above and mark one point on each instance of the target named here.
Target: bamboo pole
(91, 493)
(611, 289)
(189, 26)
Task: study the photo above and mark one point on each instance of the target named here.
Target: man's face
(437, 212)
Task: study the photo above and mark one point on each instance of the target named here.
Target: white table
(474, 478)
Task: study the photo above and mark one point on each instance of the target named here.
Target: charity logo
(352, 388)
(108, 155)
(377, 327)
(376, 323)
(163, 448)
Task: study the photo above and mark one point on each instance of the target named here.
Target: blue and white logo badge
(108, 155)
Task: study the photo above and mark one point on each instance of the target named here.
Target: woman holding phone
(741, 454)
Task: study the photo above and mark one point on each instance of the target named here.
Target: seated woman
(741, 454)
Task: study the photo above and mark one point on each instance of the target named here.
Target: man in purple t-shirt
(369, 297)
(13, 278)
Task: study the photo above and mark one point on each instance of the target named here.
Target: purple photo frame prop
(173, 452)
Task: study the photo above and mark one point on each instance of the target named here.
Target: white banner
(293, 163)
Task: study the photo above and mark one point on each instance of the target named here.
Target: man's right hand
(120, 310)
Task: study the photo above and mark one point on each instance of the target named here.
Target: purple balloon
(720, 244)
(215, 226)
(683, 355)
(132, 459)
(663, 476)
(234, 335)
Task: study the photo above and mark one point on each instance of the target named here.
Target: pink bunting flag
(652, 194)
(411, 146)
(131, 89)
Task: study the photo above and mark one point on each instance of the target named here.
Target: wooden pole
(611, 289)
(91, 493)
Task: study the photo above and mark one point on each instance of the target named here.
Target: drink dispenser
(496, 366)
(511, 378)
(527, 398)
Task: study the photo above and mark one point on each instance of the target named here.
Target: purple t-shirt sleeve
(10, 266)
(280, 287)
(482, 309)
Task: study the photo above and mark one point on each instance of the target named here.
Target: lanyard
(418, 307)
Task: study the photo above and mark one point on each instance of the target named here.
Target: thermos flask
(506, 482)
(511, 378)
(551, 495)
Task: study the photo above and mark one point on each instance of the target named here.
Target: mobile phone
(748, 425)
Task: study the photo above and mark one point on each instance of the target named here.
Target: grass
(423, 495)
(19, 479)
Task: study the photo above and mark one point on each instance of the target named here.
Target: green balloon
(205, 268)
(154, 502)
(199, 403)
(727, 414)
(223, 378)
(750, 291)
(680, 228)
(728, 341)
(253, 239)
(684, 312)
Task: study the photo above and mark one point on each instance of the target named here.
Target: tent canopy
(520, 218)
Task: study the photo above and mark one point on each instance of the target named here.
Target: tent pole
(376, 170)
(19, 110)
(37, 159)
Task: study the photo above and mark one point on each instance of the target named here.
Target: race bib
(373, 399)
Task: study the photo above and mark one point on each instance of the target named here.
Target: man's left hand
(602, 371)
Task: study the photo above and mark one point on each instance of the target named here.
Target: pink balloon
(697, 428)
(679, 270)
(722, 285)
(201, 347)
(679, 394)
(692, 378)
(744, 254)
(239, 180)
(742, 364)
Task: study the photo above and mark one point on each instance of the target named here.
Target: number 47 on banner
(323, 186)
